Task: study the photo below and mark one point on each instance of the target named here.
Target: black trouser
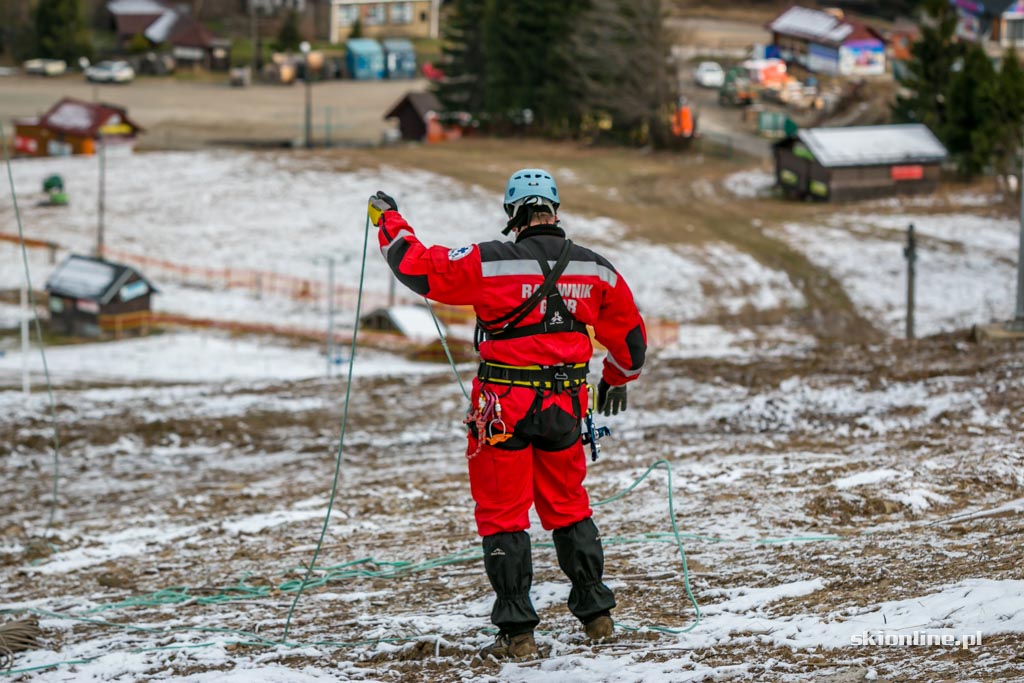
(509, 566)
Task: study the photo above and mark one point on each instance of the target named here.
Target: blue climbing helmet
(531, 182)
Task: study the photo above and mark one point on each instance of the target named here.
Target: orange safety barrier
(32, 244)
(660, 332)
(260, 283)
(119, 323)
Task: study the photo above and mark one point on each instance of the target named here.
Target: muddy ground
(220, 489)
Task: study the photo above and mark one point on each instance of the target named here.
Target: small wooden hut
(90, 297)
(413, 112)
(859, 162)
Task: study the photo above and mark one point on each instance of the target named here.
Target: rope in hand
(341, 440)
(39, 334)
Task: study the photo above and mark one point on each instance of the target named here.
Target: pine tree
(622, 68)
(288, 37)
(928, 72)
(529, 58)
(972, 129)
(60, 31)
(504, 59)
(462, 88)
(1009, 113)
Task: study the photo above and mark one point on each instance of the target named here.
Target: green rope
(447, 351)
(39, 334)
(678, 540)
(341, 440)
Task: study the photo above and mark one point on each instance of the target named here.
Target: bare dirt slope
(892, 461)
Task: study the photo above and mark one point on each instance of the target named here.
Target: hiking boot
(599, 628)
(510, 647)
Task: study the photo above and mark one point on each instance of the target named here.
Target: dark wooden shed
(859, 162)
(412, 112)
(90, 297)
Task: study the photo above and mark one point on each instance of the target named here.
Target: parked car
(709, 75)
(45, 67)
(110, 72)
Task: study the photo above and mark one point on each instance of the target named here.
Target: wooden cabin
(90, 297)
(74, 127)
(859, 162)
(414, 113)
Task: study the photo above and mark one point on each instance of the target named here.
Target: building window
(401, 13)
(423, 17)
(347, 14)
(1015, 31)
(376, 14)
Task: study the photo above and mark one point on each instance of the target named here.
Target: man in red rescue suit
(534, 299)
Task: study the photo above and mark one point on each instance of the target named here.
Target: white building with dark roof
(828, 42)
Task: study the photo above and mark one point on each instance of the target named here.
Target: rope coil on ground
(17, 636)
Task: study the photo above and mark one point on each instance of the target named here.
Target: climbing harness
(557, 316)
(553, 377)
(487, 420)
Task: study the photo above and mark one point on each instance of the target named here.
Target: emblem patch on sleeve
(460, 252)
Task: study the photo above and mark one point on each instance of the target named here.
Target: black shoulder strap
(519, 313)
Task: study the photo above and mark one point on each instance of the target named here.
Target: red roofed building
(828, 42)
(73, 127)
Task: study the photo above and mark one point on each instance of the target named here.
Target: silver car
(110, 72)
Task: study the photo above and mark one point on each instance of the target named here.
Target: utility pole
(910, 253)
(102, 194)
(254, 40)
(330, 260)
(391, 291)
(25, 315)
(1017, 324)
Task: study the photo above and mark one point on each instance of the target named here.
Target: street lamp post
(254, 39)
(307, 138)
(311, 62)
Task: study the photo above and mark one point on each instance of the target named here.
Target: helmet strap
(523, 217)
(520, 219)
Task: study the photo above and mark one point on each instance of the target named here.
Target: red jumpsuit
(543, 462)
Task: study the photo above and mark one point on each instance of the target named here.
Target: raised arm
(450, 276)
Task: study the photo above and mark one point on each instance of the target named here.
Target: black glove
(379, 203)
(610, 400)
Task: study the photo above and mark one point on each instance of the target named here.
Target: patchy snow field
(966, 266)
(828, 496)
(274, 212)
(824, 498)
(192, 357)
